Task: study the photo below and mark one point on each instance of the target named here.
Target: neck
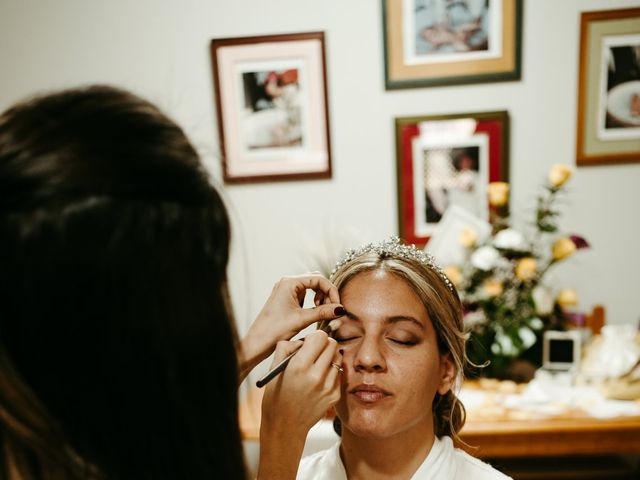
(396, 457)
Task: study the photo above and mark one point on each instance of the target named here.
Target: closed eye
(345, 339)
(408, 343)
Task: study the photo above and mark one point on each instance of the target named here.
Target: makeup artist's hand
(295, 400)
(282, 316)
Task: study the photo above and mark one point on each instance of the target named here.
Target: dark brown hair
(117, 344)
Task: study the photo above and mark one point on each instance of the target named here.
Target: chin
(368, 426)
(369, 431)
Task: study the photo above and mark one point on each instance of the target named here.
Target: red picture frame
(459, 155)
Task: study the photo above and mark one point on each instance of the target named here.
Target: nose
(369, 356)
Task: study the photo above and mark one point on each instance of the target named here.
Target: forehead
(380, 295)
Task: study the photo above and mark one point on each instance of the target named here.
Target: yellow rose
(454, 274)
(498, 194)
(468, 237)
(492, 287)
(526, 268)
(567, 298)
(559, 174)
(563, 248)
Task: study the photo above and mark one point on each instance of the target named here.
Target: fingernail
(335, 324)
(339, 311)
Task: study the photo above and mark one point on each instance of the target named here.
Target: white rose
(503, 345)
(485, 258)
(543, 300)
(536, 323)
(510, 239)
(527, 336)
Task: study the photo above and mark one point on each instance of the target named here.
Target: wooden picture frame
(428, 44)
(271, 103)
(608, 132)
(459, 155)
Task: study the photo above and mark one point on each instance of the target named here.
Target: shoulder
(471, 467)
(325, 464)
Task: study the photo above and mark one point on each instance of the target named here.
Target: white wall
(159, 49)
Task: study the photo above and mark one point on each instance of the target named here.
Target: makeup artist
(117, 341)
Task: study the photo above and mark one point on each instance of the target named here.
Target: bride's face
(392, 366)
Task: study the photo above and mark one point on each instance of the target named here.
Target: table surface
(498, 432)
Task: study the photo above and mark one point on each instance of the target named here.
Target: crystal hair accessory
(393, 247)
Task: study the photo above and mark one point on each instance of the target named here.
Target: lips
(369, 393)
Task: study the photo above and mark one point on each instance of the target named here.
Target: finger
(301, 294)
(284, 349)
(321, 313)
(324, 360)
(338, 357)
(335, 372)
(324, 365)
(314, 345)
(317, 282)
(294, 286)
(319, 298)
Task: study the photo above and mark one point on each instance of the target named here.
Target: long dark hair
(117, 343)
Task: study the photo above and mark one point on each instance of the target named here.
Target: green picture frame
(606, 130)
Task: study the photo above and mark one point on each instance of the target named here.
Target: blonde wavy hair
(445, 312)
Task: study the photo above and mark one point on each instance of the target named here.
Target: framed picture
(271, 102)
(443, 241)
(608, 124)
(440, 42)
(447, 160)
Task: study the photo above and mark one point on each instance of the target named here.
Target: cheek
(417, 375)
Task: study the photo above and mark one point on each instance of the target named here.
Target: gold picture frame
(421, 49)
(607, 130)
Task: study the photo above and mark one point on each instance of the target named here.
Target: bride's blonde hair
(441, 302)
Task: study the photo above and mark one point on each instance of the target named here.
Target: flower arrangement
(501, 280)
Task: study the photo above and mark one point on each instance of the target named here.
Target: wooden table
(500, 434)
(552, 437)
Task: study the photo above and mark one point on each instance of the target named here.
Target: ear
(447, 373)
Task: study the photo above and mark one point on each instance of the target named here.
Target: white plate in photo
(619, 103)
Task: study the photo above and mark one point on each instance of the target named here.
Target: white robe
(444, 462)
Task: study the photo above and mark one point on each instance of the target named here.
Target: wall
(159, 49)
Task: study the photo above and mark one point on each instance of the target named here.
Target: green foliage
(507, 304)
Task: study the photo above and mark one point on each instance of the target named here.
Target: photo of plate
(619, 103)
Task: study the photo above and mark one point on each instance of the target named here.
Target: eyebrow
(391, 320)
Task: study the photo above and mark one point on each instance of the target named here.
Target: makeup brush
(331, 326)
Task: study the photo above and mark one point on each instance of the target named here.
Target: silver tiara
(393, 247)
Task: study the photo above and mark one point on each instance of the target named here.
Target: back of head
(117, 347)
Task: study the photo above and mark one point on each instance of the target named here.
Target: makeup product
(276, 370)
(332, 326)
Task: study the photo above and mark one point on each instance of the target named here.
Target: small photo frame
(445, 160)
(561, 350)
(608, 123)
(439, 42)
(271, 103)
